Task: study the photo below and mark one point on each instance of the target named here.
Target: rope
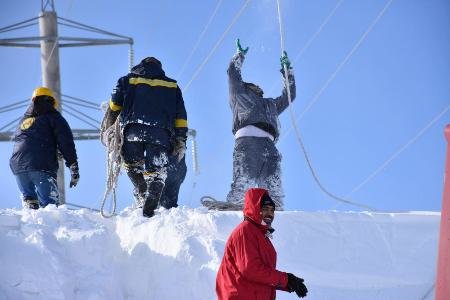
(235, 18)
(294, 125)
(112, 137)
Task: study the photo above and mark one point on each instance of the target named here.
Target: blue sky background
(373, 91)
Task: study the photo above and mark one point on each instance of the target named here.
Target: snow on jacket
(248, 268)
(42, 131)
(147, 96)
(251, 109)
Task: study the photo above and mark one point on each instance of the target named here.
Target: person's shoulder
(169, 79)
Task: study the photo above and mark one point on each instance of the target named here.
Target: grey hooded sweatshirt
(249, 108)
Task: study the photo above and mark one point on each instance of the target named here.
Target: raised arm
(282, 102)
(234, 69)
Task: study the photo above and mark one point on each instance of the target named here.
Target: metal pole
(48, 29)
(443, 265)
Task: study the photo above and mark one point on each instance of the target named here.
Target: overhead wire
(200, 38)
(318, 31)
(297, 132)
(233, 21)
(311, 39)
(342, 64)
(399, 151)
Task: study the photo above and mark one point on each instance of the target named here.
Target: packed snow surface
(57, 253)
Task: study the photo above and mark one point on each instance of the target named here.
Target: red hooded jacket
(248, 268)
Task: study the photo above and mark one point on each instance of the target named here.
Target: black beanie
(151, 60)
(266, 200)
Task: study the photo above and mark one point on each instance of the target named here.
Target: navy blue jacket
(147, 96)
(42, 131)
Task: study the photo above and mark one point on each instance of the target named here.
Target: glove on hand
(239, 48)
(296, 285)
(179, 148)
(284, 60)
(74, 174)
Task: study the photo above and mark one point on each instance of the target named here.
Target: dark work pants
(256, 163)
(176, 172)
(144, 163)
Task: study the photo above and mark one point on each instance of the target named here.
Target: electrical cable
(297, 132)
(235, 18)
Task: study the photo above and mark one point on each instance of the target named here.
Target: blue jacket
(147, 96)
(42, 131)
(250, 109)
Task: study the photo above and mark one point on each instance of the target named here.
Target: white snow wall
(56, 253)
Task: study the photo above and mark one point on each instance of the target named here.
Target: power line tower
(49, 42)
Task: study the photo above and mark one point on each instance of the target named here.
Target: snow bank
(56, 253)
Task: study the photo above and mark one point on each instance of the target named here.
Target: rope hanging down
(297, 133)
(112, 138)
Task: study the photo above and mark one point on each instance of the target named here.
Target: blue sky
(372, 91)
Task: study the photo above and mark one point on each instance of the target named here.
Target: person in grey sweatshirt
(256, 160)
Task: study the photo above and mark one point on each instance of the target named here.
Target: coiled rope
(113, 140)
(297, 132)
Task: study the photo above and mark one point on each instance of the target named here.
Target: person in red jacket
(248, 267)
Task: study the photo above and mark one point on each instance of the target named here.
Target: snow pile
(56, 253)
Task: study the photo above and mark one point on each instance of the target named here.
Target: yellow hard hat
(43, 91)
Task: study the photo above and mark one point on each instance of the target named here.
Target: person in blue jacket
(256, 160)
(42, 133)
(153, 123)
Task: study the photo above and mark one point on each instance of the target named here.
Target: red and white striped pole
(443, 265)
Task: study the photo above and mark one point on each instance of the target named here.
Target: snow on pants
(136, 155)
(38, 185)
(176, 172)
(256, 163)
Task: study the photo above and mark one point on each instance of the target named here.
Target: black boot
(31, 203)
(140, 186)
(154, 192)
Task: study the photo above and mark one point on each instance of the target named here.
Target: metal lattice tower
(49, 42)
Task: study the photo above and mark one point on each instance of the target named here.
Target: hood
(148, 70)
(252, 204)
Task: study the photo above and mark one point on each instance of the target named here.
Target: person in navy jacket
(153, 124)
(42, 133)
(248, 267)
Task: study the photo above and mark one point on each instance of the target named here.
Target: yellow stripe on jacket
(153, 82)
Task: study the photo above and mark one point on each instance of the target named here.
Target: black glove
(74, 174)
(296, 285)
(179, 149)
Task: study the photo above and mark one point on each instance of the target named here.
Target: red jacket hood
(252, 204)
